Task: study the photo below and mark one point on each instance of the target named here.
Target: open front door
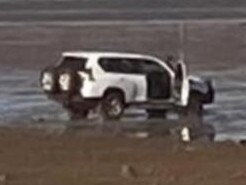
(182, 83)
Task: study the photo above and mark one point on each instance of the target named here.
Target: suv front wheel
(112, 106)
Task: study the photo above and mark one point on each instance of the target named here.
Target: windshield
(73, 63)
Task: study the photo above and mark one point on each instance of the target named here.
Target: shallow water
(22, 100)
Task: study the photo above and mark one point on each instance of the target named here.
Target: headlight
(64, 82)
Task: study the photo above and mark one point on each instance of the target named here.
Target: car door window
(130, 65)
(125, 66)
(110, 64)
(117, 65)
(148, 66)
(134, 66)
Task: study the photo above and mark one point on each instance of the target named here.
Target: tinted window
(117, 65)
(148, 66)
(73, 63)
(109, 64)
(130, 65)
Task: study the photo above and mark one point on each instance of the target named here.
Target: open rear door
(182, 83)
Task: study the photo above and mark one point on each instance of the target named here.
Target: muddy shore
(74, 157)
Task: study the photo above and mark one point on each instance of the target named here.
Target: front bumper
(210, 94)
(205, 88)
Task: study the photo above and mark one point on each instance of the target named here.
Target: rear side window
(110, 64)
(130, 65)
(73, 63)
(118, 65)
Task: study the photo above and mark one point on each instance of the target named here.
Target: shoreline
(30, 157)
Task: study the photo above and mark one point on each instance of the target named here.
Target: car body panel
(133, 86)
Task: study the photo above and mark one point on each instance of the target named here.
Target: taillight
(64, 81)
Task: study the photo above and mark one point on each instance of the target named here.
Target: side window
(125, 66)
(130, 66)
(110, 64)
(148, 66)
(117, 65)
(135, 65)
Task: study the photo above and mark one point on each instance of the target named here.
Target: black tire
(74, 82)
(112, 106)
(156, 113)
(76, 113)
(53, 81)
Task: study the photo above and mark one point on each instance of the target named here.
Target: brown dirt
(35, 157)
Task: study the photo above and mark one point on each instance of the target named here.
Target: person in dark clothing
(171, 62)
(177, 66)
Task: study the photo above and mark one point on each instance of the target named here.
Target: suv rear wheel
(112, 106)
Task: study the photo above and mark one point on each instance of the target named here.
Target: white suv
(111, 82)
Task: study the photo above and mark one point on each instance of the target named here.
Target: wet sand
(35, 157)
(207, 45)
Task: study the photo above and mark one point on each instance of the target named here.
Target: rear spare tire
(49, 80)
(69, 81)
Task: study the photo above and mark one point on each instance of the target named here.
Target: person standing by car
(178, 67)
(171, 62)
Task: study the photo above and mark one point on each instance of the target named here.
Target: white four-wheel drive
(111, 82)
